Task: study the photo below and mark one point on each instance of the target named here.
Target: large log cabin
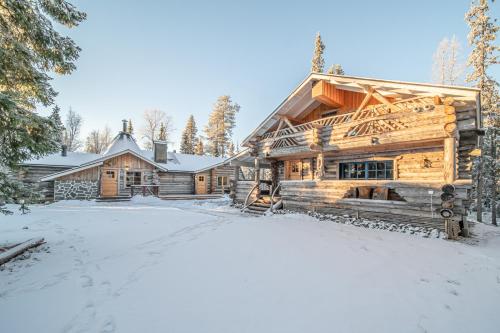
(366, 147)
(124, 170)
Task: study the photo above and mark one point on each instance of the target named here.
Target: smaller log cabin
(124, 170)
(367, 147)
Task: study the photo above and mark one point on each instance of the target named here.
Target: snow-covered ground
(158, 266)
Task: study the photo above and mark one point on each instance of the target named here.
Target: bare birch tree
(98, 140)
(72, 130)
(151, 128)
(447, 67)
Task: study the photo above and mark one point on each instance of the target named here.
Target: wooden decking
(190, 196)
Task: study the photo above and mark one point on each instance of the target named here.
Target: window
(132, 178)
(222, 181)
(201, 178)
(295, 167)
(367, 170)
(110, 174)
(329, 113)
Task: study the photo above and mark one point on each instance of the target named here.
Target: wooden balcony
(416, 118)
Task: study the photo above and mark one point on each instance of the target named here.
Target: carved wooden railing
(379, 111)
(246, 204)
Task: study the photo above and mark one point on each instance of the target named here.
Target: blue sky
(179, 56)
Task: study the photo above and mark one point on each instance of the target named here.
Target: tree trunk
(479, 188)
(494, 178)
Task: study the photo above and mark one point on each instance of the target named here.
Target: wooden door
(109, 182)
(201, 184)
(294, 170)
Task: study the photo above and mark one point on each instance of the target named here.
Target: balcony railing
(417, 104)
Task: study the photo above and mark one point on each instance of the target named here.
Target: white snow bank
(198, 266)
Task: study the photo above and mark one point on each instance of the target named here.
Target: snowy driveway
(156, 266)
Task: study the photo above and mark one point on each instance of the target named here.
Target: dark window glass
(366, 170)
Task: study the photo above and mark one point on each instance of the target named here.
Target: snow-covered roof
(71, 160)
(121, 144)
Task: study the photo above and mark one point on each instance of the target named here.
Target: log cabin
(365, 147)
(124, 170)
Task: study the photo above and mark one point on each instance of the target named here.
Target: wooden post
(274, 174)
(257, 174)
(449, 161)
(494, 178)
(479, 188)
(320, 166)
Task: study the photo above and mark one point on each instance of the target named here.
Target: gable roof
(301, 97)
(124, 143)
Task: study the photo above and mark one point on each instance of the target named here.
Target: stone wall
(75, 189)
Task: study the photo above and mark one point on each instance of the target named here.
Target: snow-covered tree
(189, 135)
(152, 122)
(55, 117)
(199, 148)
(336, 69)
(162, 133)
(230, 149)
(220, 126)
(447, 66)
(130, 127)
(482, 36)
(98, 140)
(72, 131)
(30, 48)
(318, 63)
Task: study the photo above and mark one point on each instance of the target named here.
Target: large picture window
(132, 178)
(367, 170)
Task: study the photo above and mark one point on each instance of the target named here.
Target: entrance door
(109, 183)
(201, 184)
(294, 170)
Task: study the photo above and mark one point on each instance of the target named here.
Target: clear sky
(179, 56)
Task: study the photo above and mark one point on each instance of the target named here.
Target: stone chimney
(64, 150)
(160, 151)
(124, 130)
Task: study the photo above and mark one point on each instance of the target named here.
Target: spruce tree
(230, 150)
(162, 135)
(55, 117)
(482, 38)
(188, 138)
(30, 48)
(199, 149)
(130, 127)
(318, 63)
(220, 126)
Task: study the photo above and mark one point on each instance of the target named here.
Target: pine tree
(30, 48)
(482, 38)
(318, 63)
(199, 149)
(188, 138)
(220, 126)
(130, 127)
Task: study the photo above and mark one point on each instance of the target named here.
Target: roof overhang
(300, 98)
(98, 162)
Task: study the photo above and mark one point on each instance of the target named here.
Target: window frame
(223, 183)
(367, 170)
(131, 178)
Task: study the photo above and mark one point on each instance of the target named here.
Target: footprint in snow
(454, 282)
(87, 281)
(424, 280)
(454, 292)
(108, 326)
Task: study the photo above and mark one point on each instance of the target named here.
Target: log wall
(31, 175)
(332, 197)
(176, 183)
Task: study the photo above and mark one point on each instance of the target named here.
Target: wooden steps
(190, 196)
(261, 206)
